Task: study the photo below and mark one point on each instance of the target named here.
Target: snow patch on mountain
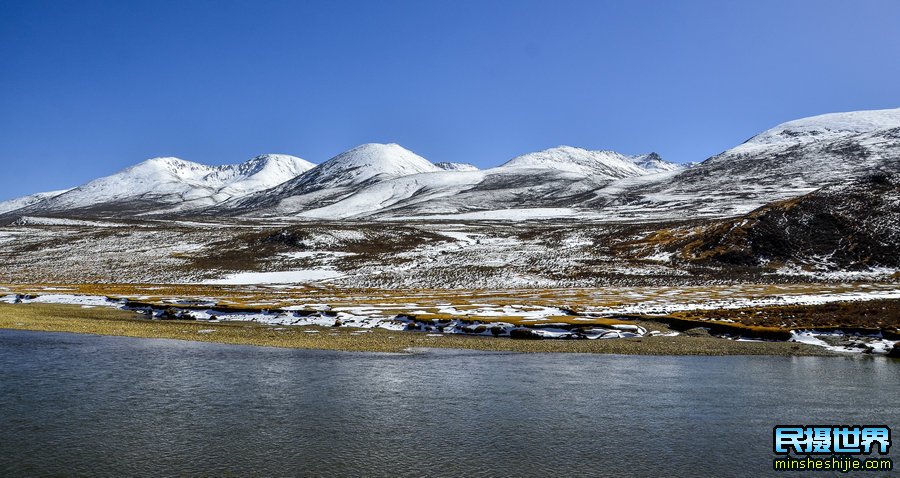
(447, 166)
(511, 214)
(409, 190)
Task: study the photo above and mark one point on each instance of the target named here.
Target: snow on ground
(873, 273)
(337, 237)
(55, 221)
(525, 311)
(839, 342)
(513, 214)
(315, 254)
(464, 237)
(10, 236)
(667, 306)
(284, 277)
(71, 299)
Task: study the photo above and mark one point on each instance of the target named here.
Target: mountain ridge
(382, 181)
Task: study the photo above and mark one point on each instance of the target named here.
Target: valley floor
(591, 287)
(557, 254)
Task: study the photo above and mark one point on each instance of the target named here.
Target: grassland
(108, 321)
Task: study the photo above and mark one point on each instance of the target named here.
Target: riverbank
(109, 321)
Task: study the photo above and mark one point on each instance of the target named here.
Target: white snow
(667, 306)
(382, 195)
(512, 214)
(315, 254)
(526, 312)
(284, 277)
(72, 299)
(871, 273)
(877, 344)
(56, 221)
(446, 166)
(463, 237)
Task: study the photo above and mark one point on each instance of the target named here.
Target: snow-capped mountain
(787, 161)
(448, 166)
(170, 185)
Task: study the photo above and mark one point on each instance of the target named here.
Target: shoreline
(114, 322)
(853, 318)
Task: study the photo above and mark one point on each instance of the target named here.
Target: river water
(111, 406)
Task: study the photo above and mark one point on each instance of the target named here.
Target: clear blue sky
(90, 87)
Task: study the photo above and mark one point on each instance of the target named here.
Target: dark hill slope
(852, 226)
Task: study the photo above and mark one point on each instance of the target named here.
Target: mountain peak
(165, 167)
(578, 160)
(283, 163)
(374, 154)
(369, 160)
(449, 166)
(170, 163)
(359, 166)
(165, 160)
(654, 163)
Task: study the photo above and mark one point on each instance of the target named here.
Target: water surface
(111, 406)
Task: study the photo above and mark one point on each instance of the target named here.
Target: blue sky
(90, 87)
